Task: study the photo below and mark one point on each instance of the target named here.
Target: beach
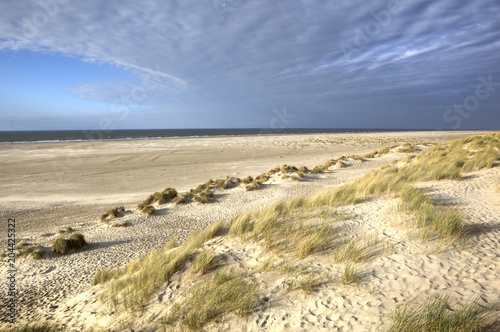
(49, 187)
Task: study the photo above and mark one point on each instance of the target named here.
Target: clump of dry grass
(204, 262)
(222, 294)
(149, 210)
(33, 327)
(317, 169)
(158, 197)
(369, 155)
(247, 180)
(104, 275)
(349, 275)
(112, 213)
(356, 250)
(62, 245)
(340, 164)
(437, 315)
(329, 163)
(288, 169)
(304, 169)
(317, 239)
(180, 199)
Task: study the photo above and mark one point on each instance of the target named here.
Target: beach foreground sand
(46, 192)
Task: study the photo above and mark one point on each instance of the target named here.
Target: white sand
(48, 287)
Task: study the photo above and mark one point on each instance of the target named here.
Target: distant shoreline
(78, 136)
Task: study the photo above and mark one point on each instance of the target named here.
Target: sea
(65, 136)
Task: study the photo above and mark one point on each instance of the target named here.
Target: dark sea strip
(69, 136)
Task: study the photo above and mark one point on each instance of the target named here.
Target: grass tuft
(349, 275)
(204, 262)
(437, 315)
(33, 327)
(222, 294)
(62, 246)
(317, 239)
(104, 275)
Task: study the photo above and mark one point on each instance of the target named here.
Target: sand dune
(399, 269)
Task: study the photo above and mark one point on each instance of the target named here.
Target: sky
(127, 64)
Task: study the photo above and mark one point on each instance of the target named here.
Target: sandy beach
(49, 187)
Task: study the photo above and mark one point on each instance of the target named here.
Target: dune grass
(355, 251)
(436, 316)
(316, 239)
(144, 275)
(204, 262)
(104, 275)
(225, 292)
(149, 210)
(62, 245)
(33, 327)
(349, 274)
(112, 213)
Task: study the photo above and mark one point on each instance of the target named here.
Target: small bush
(329, 163)
(25, 252)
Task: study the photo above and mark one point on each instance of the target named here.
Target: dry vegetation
(438, 316)
(288, 230)
(62, 245)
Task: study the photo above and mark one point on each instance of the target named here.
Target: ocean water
(55, 136)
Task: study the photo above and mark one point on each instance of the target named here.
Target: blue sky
(67, 64)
